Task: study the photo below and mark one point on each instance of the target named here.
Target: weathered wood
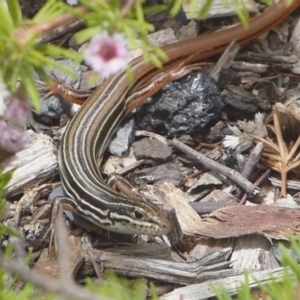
(204, 290)
(36, 163)
(270, 221)
(253, 253)
(217, 10)
(210, 267)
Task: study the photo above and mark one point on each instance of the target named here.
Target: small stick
(24, 35)
(257, 183)
(253, 160)
(251, 165)
(208, 163)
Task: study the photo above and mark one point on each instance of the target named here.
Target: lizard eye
(137, 214)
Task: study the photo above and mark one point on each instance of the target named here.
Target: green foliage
(239, 6)
(285, 288)
(4, 179)
(289, 286)
(120, 288)
(133, 25)
(115, 287)
(21, 54)
(6, 281)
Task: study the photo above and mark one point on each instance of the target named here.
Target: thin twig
(251, 165)
(282, 146)
(257, 183)
(253, 160)
(126, 7)
(208, 163)
(293, 150)
(63, 260)
(24, 35)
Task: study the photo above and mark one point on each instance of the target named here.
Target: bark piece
(204, 290)
(206, 180)
(271, 59)
(208, 207)
(208, 268)
(36, 163)
(252, 252)
(270, 221)
(120, 164)
(165, 172)
(240, 101)
(188, 219)
(152, 149)
(296, 42)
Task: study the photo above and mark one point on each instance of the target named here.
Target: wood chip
(211, 267)
(188, 218)
(204, 290)
(270, 221)
(36, 163)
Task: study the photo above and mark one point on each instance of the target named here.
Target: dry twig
(280, 157)
(208, 163)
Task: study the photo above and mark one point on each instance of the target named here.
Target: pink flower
(12, 137)
(108, 55)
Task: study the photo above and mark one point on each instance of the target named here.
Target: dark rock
(182, 107)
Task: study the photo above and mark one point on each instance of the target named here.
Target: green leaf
(288, 2)
(86, 34)
(15, 11)
(151, 10)
(205, 9)
(57, 51)
(6, 24)
(295, 245)
(139, 12)
(176, 8)
(27, 77)
(153, 291)
(49, 11)
(244, 291)
(11, 73)
(242, 13)
(270, 2)
(220, 292)
(4, 180)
